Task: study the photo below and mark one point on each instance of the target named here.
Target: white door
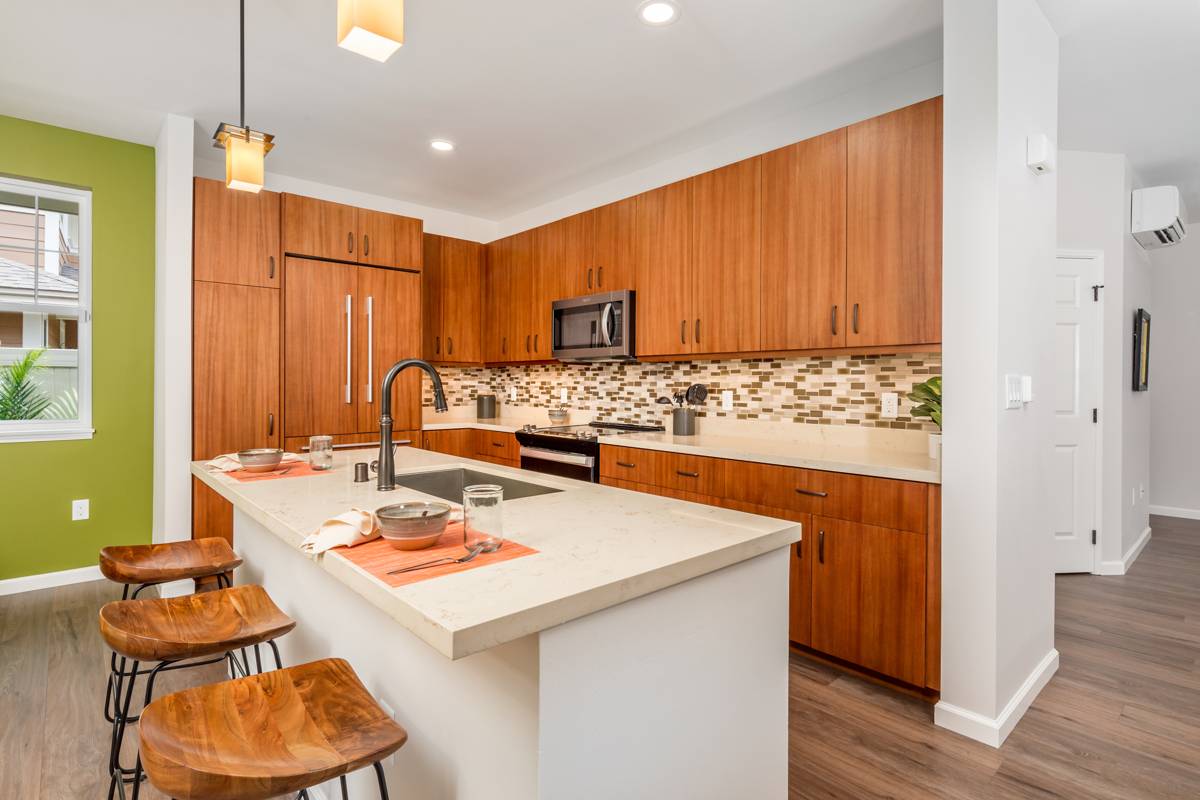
(1075, 478)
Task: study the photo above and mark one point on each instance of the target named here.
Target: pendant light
(371, 28)
(245, 148)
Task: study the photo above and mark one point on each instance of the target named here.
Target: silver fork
(448, 560)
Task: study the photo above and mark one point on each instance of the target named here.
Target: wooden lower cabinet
(456, 442)
(495, 447)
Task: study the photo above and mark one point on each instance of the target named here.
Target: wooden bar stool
(145, 565)
(266, 735)
(175, 632)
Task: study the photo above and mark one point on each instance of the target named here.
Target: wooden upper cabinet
(389, 240)
(804, 245)
(388, 329)
(894, 227)
(727, 258)
(319, 307)
(614, 246)
(457, 286)
(496, 301)
(235, 235)
(664, 270)
(431, 299)
(318, 228)
(568, 264)
(526, 296)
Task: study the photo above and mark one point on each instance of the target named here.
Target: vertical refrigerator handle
(349, 333)
(370, 348)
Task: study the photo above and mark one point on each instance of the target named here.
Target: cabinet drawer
(801, 490)
(695, 474)
(496, 445)
(629, 464)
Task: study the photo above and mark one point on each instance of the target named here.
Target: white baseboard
(48, 580)
(1131, 555)
(994, 731)
(1172, 511)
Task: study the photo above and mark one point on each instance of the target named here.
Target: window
(45, 312)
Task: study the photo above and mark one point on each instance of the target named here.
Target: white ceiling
(1130, 83)
(542, 97)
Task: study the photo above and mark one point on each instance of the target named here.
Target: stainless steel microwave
(597, 327)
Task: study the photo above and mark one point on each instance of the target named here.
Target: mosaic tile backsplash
(838, 390)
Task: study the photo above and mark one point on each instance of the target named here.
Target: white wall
(1175, 379)
(1001, 76)
(1094, 215)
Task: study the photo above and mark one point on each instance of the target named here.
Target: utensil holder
(683, 421)
(485, 406)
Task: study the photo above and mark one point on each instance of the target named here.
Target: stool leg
(383, 794)
(342, 781)
(116, 773)
(275, 650)
(258, 659)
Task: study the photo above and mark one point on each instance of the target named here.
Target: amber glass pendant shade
(371, 28)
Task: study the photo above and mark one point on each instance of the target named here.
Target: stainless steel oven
(580, 466)
(596, 327)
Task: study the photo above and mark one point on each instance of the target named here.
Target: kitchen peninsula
(640, 652)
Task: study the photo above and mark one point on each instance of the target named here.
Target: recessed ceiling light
(658, 12)
(441, 145)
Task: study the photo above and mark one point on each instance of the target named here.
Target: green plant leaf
(20, 396)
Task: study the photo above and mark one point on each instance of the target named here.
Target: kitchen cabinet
(894, 227)
(459, 442)
(525, 329)
(451, 290)
(614, 247)
(565, 258)
(343, 327)
(235, 396)
(321, 229)
(367, 442)
(497, 447)
(497, 301)
(804, 245)
(726, 278)
(664, 270)
(235, 235)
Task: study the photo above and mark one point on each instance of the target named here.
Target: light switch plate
(1012, 391)
(890, 407)
(80, 510)
(512, 394)
(727, 399)
(1026, 388)
(562, 395)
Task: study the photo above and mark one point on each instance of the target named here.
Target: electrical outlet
(1026, 388)
(727, 399)
(890, 406)
(512, 394)
(1142, 490)
(80, 510)
(563, 397)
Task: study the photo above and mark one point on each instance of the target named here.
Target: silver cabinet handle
(812, 493)
(271, 267)
(697, 331)
(557, 457)
(366, 244)
(350, 242)
(854, 319)
(821, 547)
(370, 349)
(349, 352)
(833, 316)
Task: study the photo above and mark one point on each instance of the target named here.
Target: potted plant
(927, 403)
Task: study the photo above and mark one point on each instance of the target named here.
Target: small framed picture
(1141, 350)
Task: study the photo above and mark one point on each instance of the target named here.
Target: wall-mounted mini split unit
(1158, 217)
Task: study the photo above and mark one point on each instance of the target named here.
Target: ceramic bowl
(413, 525)
(260, 459)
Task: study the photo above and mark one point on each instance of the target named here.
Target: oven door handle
(541, 454)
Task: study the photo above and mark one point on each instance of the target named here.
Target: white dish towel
(229, 462)
(351, 528)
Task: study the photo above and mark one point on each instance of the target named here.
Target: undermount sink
(448, 484)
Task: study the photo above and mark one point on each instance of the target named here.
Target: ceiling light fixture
(371, 28)
(442, 145)
(245, 148)
(658, 12)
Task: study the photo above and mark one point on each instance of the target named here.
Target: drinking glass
(320, 452)
(483, 522)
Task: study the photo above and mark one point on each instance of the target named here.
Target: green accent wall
(114, 470)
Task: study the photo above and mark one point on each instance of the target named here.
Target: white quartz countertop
(878, 453)
(597, 547)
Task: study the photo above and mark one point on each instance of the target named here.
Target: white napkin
(351, 528)
(229, 462)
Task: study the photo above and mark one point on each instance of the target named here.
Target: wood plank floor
(1121, 719)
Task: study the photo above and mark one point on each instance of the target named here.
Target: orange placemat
(297, 469)
(378, 557)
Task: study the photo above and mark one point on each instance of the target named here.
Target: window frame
(44, 430)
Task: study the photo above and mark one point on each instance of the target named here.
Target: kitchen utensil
(260, 459)
(483, 517)
(678, 397)
(664, 401)
(683, 422)
(697, 393)
(413, 525)
(464, 559)
(559, 414)
(320, 452)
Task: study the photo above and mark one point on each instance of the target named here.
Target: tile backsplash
(824, 390)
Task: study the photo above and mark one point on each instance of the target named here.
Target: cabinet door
(614, 245)
(431, 299)
(894, 227)
(236, 235)
(836, 603)
(456, 442)
(525, 289)
(319, 229)
(318, 355)
(389, 240)
(799, 580)
(727, 259)
(804, 245)
(664, 270)
(496, 299)
(388, 330)
(461, 273)
(569, 265)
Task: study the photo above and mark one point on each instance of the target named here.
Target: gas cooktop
(591, 431)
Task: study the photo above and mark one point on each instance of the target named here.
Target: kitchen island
(641, 652)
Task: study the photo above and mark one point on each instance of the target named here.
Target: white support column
(1001, 86)
(173, 330)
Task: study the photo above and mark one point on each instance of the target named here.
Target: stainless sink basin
(448, 484)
